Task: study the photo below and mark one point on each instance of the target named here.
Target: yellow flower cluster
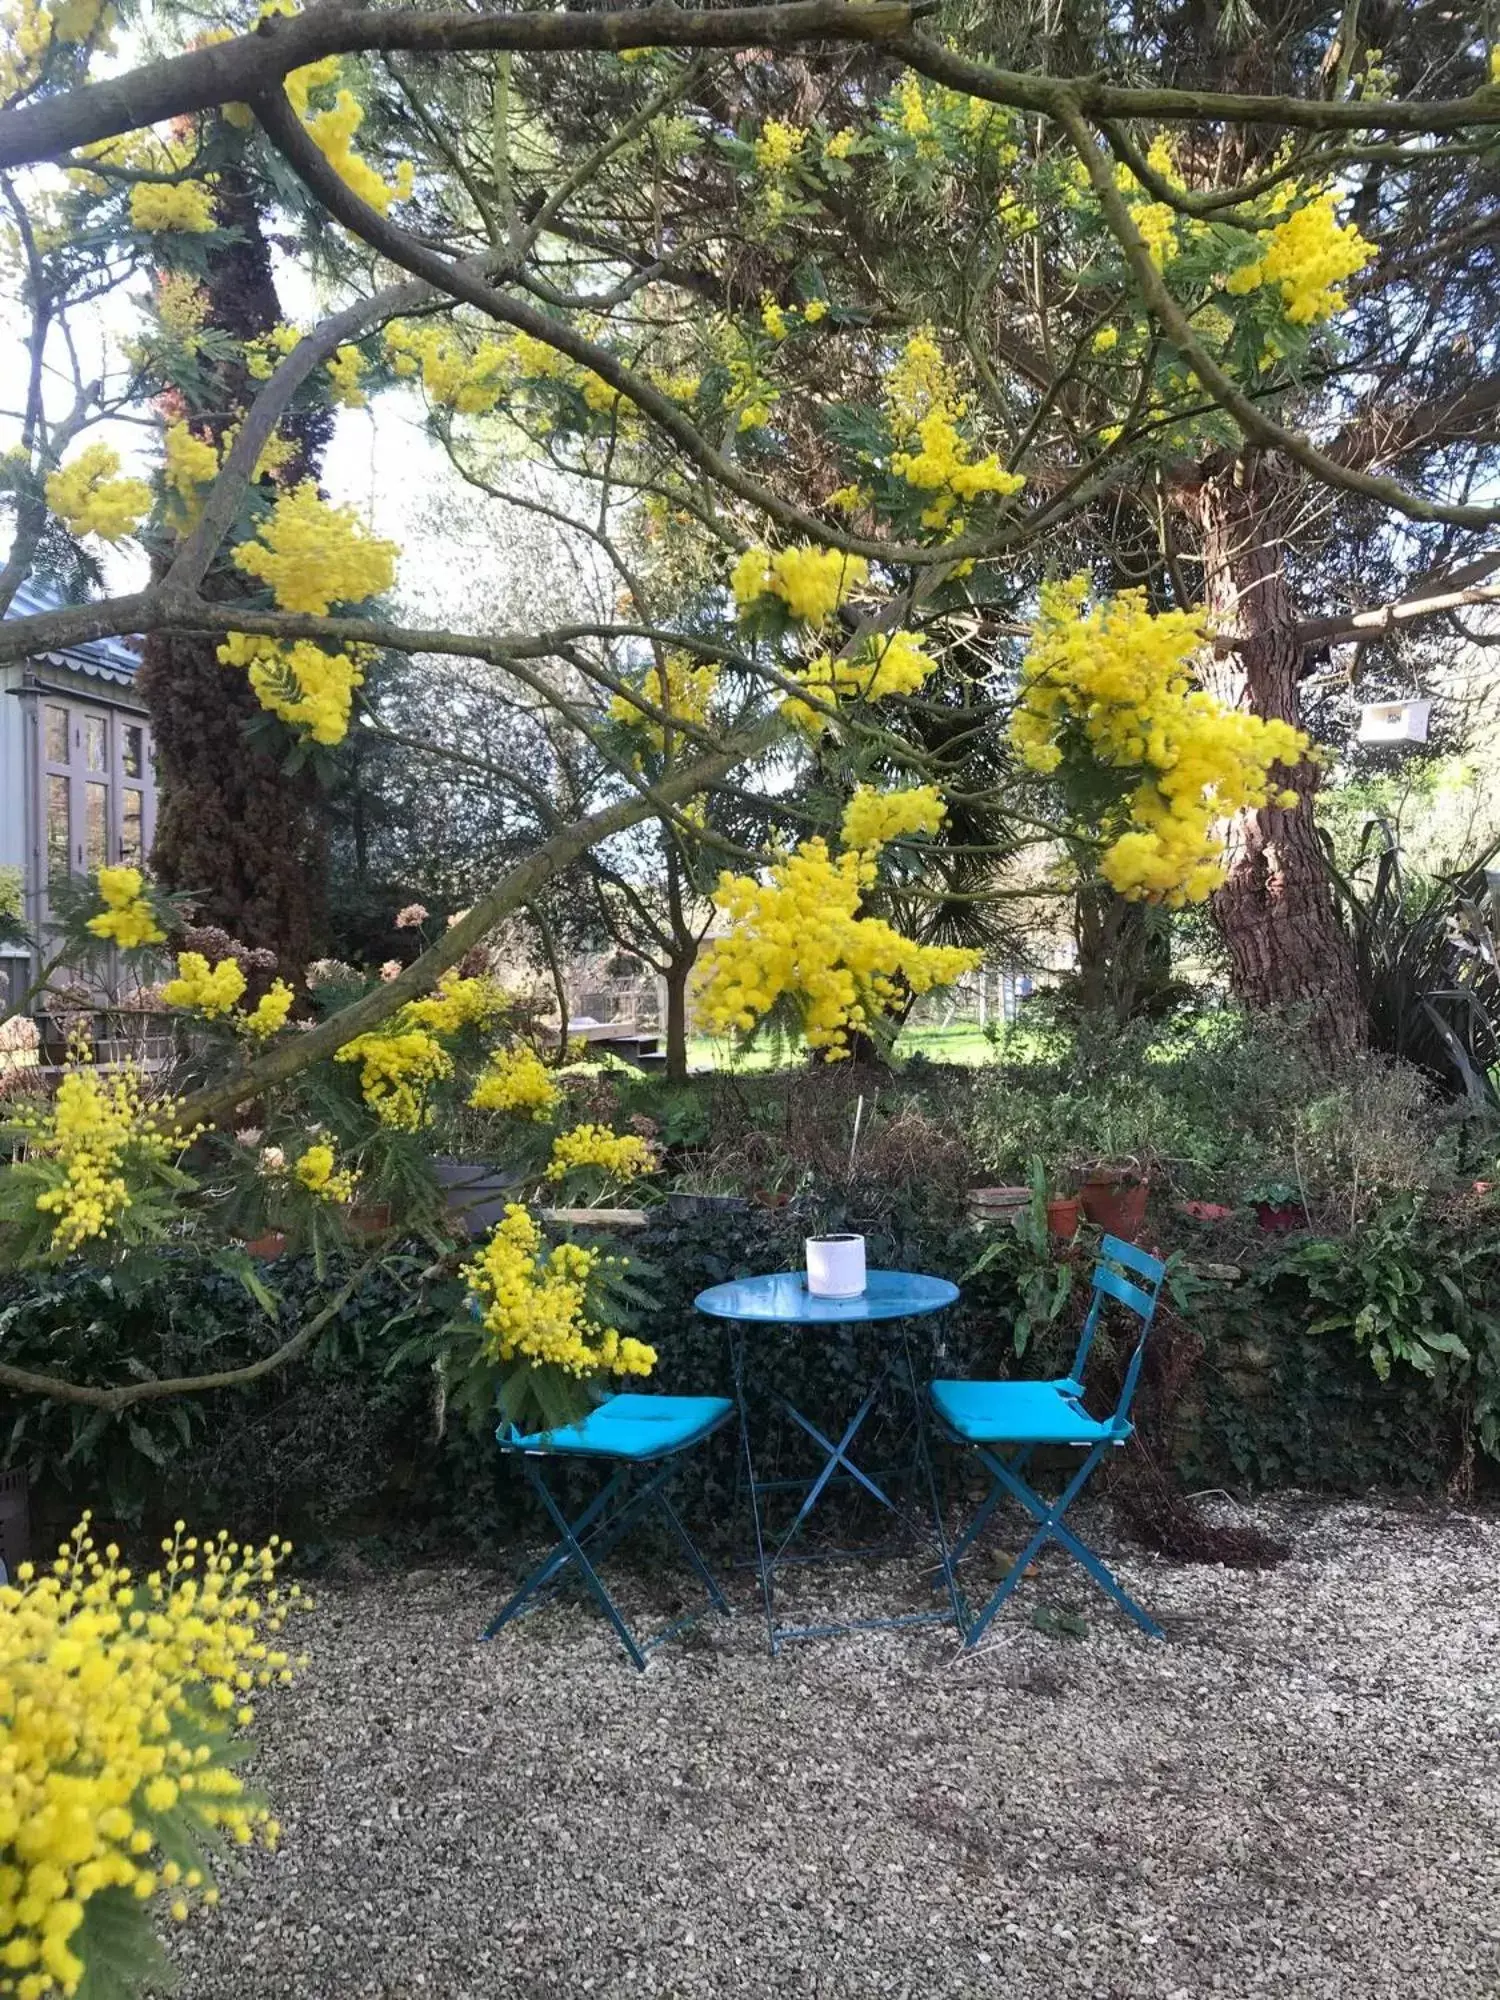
(93, 499)
(268, 1016)
(1308, 255)
(119, 1698)
(454, 1005)
(183, 206)
(333, 130)
(397, 1067)
(682, 687)
(475, 379)
(619, 1157)
(812, 583)
(314, 554)
(872, 818)
(206, 990)
(883, 663)
(298, 680)
(751, 398)
(318, 1173)
(912, 114)
(778, 320)
(190, 462)
(127, 918)
(345, 371)
(779, 146)
(180, 304)
(798, 935)
(924, 408)
(469, 381)
(516, 1080)
(1114, 685)
(94, 1127)
(266, 349)
(27, 33)
(399, 1063)
(537, 1307)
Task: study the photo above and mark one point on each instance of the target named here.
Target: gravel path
(1298, 1795)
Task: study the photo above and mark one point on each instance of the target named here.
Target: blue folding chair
(644, 1436)
(1019, 1416)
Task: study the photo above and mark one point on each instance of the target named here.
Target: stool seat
(630, 1426)
(1038, 1412)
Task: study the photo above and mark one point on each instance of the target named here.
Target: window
(96, 793)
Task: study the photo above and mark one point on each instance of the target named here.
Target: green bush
(348, 1442)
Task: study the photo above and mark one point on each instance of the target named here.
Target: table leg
(737, 1363)
(924, 1456)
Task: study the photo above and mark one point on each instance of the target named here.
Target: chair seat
(1021, 1413)
(629, 1426)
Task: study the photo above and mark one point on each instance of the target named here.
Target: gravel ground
(1296, 1795)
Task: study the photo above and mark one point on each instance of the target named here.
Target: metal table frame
(892, 1298)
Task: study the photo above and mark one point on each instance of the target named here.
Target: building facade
(77, 781)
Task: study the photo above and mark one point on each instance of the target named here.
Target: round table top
(782, 1298)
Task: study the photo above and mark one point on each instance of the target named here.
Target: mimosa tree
(632, 237)
(864, 322)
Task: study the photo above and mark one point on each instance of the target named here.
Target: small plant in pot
(1278, 1205)
(1064, 1212)
(1113, 1196)
(704, 1191)
(834, 1253)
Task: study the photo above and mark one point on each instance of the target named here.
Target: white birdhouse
(1394, 721)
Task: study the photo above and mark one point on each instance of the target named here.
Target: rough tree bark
(1276, 911)
(231, 826)
(675, 979)
(1124, 955)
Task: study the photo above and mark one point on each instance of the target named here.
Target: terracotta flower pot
(367, 1220)
(1205, 1211)
(1062, 1217)
(1278, 1216)
(1115, 1203)
(272, 1244)
(998, 1204)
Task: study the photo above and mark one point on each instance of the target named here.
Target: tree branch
(1433, 595)
(245, 67)
(290, 137)
(1024, 91)
(1251, 419)
(521, 884)
(126, 1394)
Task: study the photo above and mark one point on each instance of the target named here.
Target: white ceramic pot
(836, 1266)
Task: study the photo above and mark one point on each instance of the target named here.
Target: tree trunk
(675, 979)
(232, 828)
(1276, 910)
(1124, 955)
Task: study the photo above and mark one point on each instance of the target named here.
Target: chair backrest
(1131, 1278)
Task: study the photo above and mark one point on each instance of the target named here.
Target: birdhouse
(1394, 721)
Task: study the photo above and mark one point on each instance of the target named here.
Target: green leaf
(119, 1948)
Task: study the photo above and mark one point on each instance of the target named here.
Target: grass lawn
(962, 1043)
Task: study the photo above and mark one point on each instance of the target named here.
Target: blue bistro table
(782, 1299)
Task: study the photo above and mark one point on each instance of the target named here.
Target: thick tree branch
(1024, 91)
(1252, 420)
(520, 885)
(290, 137)
(1427, 599)
(25, 1383)
(236, 71)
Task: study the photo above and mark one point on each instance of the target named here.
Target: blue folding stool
(642, 1435)
(1022, 1415)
